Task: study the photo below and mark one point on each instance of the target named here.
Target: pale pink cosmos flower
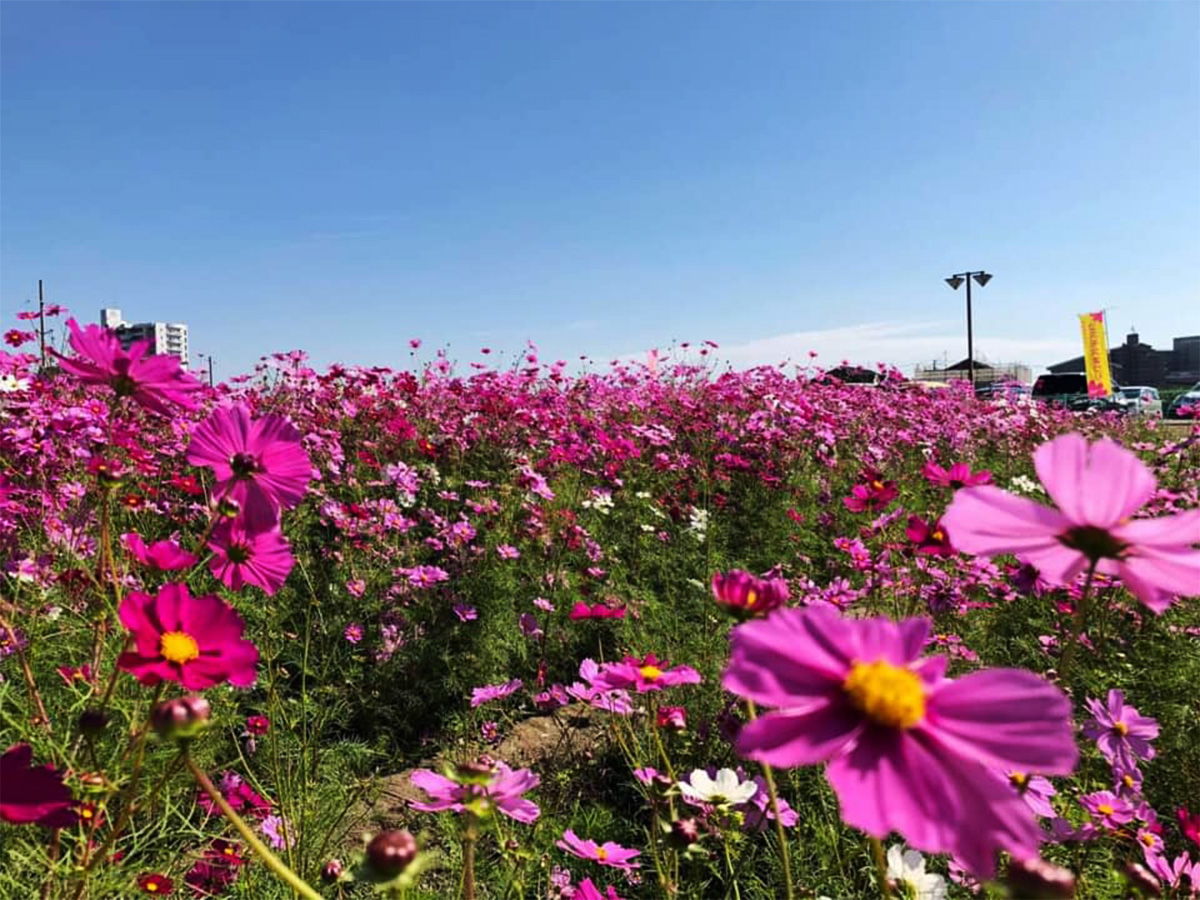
(482, 789)
(597, 694)
(489, 692)
(155, 382)
(609, 853)
(1098, 488)
(907, 749)
(257, 462)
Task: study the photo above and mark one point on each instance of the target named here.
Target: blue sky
(604, 178)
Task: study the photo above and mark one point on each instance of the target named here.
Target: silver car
(1140, 401)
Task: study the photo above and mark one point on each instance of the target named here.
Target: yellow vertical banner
(1095, 354)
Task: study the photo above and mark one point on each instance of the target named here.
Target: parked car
(1010, 391)
(1062, 388)
(1140, 401)
(1191, 398)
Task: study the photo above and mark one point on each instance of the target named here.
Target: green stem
(784, 854)
(272, 862)
(1078, 624)
(470, 837)
(885, 886)
(737, 892)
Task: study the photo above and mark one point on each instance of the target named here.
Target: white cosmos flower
(725, 790)
(11, 384)
(906, 870)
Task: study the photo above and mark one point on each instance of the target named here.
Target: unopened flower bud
(684, 833)
(390, 852)
(181, 718)
(228, 508)
(331, 871)
(1038, 878)
(92, 722)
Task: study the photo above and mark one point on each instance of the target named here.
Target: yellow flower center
(1146, 838)
(1121, 728)
(178, 647)
(1105, 809)
(151, 887)
(751, 597)
(886, 694)
(601, 853)
(939, 535)
(1018, 778)
(1127, 780)
(651, 673)
(877, 484)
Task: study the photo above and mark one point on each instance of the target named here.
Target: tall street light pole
(955, 281)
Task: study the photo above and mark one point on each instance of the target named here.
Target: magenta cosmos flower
(257, 462)
(649, 674)
(607, 854)
(872, 493)
(155, 382)
(930, 539)
(1097, 489)
(744, 595)
(480, 789)
(242, 557)
(196, 641)
(957, 476)
(907, 749)
(164, 555)
(1122, 734)
(33, 794)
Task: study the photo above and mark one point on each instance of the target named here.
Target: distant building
(1140, 364)
(985, 373)
(168, 338)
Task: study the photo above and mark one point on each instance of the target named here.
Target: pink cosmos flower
(353, 633)
(196, 641)
(744, 595)
(1122, 734)
(1107, 809)
(505, 551)
(242, 557)
(1097, 489)
(33, 794)
(587, 890)
(1174, 873)
(607, 854)
(597, 694)
(649, 674)
(155, 382)
(490, 692)
(930, 539)
(163, 555)
(957, 476)
(907, 749)
(258, 463)
(1035, 790)
(1189, 824)
(480, 788)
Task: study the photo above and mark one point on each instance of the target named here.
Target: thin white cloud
(901, 344)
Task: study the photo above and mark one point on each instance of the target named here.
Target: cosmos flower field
(603, 631)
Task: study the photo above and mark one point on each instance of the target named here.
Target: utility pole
(210, 372)
(42, 321)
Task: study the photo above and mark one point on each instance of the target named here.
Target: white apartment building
(170, 338)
